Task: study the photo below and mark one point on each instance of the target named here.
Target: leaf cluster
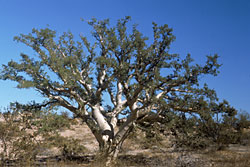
(82, 71)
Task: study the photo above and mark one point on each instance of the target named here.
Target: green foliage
(19, 140)
(243, 119)
(24, 134)
(199, 132)
(52, 122)
(70, 148)
(153, 137)
(118, 56)
(8, 132)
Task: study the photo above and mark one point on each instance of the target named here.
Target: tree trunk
(109, 152)
(113, 147)
(103, 129)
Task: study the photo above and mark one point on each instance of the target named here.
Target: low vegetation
(26, 136)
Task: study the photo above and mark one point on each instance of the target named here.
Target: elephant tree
(121, 73)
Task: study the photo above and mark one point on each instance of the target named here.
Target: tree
(141, 79)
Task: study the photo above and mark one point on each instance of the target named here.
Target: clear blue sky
(202, 27)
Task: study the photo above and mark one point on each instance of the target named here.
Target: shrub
(198, 131)
(24, 134)
(17, 138)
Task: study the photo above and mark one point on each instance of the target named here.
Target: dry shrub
(23, 135)
(18, 142)
(70, 148)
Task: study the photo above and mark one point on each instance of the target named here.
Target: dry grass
(229, 159)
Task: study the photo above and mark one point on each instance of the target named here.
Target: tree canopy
(140, 77)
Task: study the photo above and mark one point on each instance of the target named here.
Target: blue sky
(201, 27)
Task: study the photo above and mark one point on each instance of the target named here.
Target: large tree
(140, 77)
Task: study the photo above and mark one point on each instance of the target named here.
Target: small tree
(141, 79)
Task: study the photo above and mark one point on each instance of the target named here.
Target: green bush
(17, 138)
(24, 134)
(198, 133)
(243, 120)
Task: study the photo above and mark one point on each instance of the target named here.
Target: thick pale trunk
(110, 148)
(103, 125)
(103, 130)
(110, 152)
(100, 119)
